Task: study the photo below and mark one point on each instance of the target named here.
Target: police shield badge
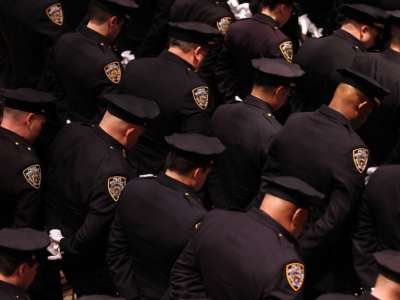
(287, 50)
(360, 159)
(200, 96)
(295, 275)
(115, 186)
(55, 13)
(113, 71)
(33, 176)
(223, 24)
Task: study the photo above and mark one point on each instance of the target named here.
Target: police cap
(28, 100)
(293, 190)
(117, 7)
(131, 108)
(389, 264)
(394, 16)
(194, 32)
(276, 70)
(368, 14)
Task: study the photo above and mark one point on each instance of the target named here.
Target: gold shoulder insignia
(200, 96)
(360, 159)
(287, 50)
(295, 275)
(223, 24)
(113, 71)
(115, 186)
(55, 13)
(33, 176)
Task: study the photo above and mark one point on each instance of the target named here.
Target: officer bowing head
(108, 16)
(358, 93)
(126, 116)
(191, 157)
(191, 41)
(287, 200)
(25, 112)
(279, 10)
(19, 252)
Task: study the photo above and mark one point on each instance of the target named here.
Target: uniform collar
(108, 139)
(254, 101)
(176, 59)
(10, 288)
(14, 138)
(266, 20)
(340, 33)
(265, 219)
(174, 184)
(93, 35)
(333, 114)
(392, 55)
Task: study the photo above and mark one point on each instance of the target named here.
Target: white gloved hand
(309, 27)
(55, 251)
(370, 171)
(56, 235)
(127, 56)
(240, 11)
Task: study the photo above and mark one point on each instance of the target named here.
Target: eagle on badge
(33, 176)
(200, 96)
(55, 13)
(287, 50)
(360, 159)
(115, 186)
(295, 275)
(113, 71)
(223, 24)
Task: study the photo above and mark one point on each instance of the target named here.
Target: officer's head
(192, 40)
(364, 22)
(358, 93)
(108, 16)
(274, 80)
(19, 249)
(127, 116)
(191, 157)
(25, 111)
(395, 27)
(279, 10)
(287, 200)
(387, 285)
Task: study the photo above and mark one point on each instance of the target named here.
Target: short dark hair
(183, 164)
(257, 5)
(183, 45)
(97, 13)
(10, 260)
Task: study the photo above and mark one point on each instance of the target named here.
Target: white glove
(240, 11)
(54, 247)
(127, 56)
(370, 171)
(56, 235)
(309, 27)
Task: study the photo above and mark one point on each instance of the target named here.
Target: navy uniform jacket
(88, 171)
(320, 58)
(11, 292)
(28, 29)
(21, 182)
(247, 130)
(153, 223)
(239, 255)
(246, 39)
(84, 67)
(347, 297)
(322, 149)
(381, 132)
(376, 224)
(183, 97)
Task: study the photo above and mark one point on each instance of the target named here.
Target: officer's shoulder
(337, 297)
(143, 182)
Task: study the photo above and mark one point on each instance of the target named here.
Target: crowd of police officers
(199, 149)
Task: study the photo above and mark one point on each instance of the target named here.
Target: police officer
(375, 227)
(28, 29)
(141, 253)
(84, 64)
(387, 285)
(258, 36)
(248, 255)
(21, 184)
(171, 80)
(385, 68)
(239, 169)
(20, 250)
(322, 149)
(320, 58)
(88, 170)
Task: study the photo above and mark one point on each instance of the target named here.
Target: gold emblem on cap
(33, 176)
(287, 50)
(113, 71)
(223, 24)
(55, 13)
(200, 96)
(295, 275)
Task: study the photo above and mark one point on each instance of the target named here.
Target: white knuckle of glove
(56, 235)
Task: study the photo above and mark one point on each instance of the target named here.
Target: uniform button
(102, 44)
(280, 235)
(269, 115)
(111, 147)
(187, 194)
(29, 148)
(16, 143)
